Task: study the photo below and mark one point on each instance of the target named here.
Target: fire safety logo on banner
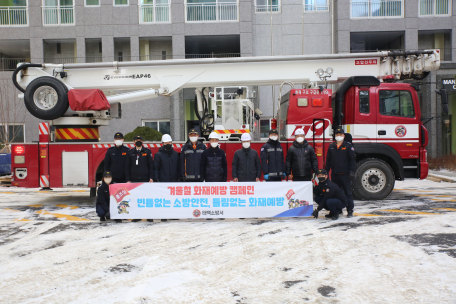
(120, 194)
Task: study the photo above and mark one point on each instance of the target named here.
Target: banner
(210, 200)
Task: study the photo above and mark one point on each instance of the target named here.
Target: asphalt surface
(398, 250)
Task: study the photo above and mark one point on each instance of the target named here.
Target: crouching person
(328, 196)
(102, 206)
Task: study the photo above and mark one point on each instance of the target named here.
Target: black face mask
(321, 179)
(167, 146)
(138, 144)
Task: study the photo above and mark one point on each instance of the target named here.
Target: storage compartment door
(75, 168)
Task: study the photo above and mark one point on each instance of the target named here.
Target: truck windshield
(396, 103)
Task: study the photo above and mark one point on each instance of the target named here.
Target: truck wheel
(374, 179)
(46, 98)
(93, 191)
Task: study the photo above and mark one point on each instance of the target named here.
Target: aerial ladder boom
(124, 82)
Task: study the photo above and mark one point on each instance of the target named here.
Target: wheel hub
(373, 180)
(45, 97)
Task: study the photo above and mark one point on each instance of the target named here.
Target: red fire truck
(381, 118)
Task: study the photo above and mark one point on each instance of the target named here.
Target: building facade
(67, 31)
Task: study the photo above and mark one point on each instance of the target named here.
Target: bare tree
(12, 112)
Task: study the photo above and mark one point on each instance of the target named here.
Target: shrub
(447, 162)
(147, 133)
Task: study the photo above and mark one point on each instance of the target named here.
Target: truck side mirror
(443, 95)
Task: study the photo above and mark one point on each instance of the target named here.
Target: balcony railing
(90, 59)
(377, 9)
(13, 16)
(211, 12)
(58, 15)
(434, 7)
(154, 13)
(226, 55)
(155, 57)
(316, 8)
(10, 64)
(267, 8)
(60, 60)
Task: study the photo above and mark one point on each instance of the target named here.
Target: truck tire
(374, 179)
(93, 192)
(46, 98)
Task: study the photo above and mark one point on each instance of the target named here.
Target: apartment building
(66, 31)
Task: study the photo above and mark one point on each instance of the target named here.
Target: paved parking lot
(398, 250)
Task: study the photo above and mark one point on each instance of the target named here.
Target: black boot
(118, 221)
(329, 215)
(150, 220)
(335, 217)
(102, 219)
(164, 220)
(135, 220)
(350, 213)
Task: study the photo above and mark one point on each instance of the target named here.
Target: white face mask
(246, 145)
(274, 137)
(339, 138)
(214, 144)
(194, 139)
(300, 140)
(118, 142)
(108, 180)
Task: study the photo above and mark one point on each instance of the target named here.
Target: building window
(316, 6)
(365, 9)
(436, 39)
(396, 103)
(120, 2)
(216, 11)
(12, 133)
(14, 13)
(434, 8)
(92, 2)
(267, 6)
(364, 103)
(58, 12)
(154, 11)
(265, 126)
(162, 126)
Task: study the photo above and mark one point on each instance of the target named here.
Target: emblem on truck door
(400, 131)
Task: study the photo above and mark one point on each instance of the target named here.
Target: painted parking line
(22, 220)
(66, 206)
(443, 200)
(446, 209)
(435, 195)
(36, 205)
(11, 210)
(7, 192)
(409, 212)
(62, 216)
(366, 214)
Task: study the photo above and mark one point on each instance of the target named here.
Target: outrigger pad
(88, 100)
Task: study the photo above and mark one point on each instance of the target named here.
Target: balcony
(10, 64)
(434, 8)
(226, 55)
(316, 6)
(154, 13)
(212, 12)
(368, 9)
(13, 16)
(58, 15)
(267, 8)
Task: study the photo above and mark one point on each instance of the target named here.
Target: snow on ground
(399, 250)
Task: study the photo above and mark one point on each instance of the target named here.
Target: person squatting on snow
(102, 205)
(328, 196)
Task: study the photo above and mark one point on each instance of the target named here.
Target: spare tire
(46, 98)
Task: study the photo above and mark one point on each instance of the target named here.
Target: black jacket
(246, 165)
(144, 170)
(102, 206)
(190, 161)
(328, 190)
(342, 160)
(301, 159)
(272, 161)
(166, 165)
(213, 165)
(115, 160)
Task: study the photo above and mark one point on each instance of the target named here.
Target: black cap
(339, 130)
(322, 171)
(107, 173)
(138, 137)
(118, 135)
(193, 131)
(273, 131)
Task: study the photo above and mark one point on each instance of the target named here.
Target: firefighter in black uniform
(166, 163)
(272, 160)
(116, 158)
(328, 196)
(140, 164)
(341, 159)
(301, 159)
(190, 158)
